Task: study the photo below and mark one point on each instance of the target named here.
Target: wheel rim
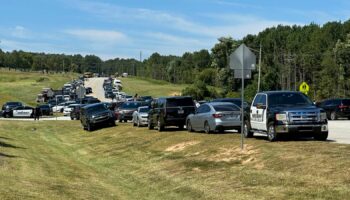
(332, 116)
(245, 130)
(271, 132)
(206, 127)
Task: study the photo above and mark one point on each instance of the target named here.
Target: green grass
(155, 88)
(58, 160)
(24, 86)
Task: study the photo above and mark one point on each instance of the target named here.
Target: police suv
(285, 112)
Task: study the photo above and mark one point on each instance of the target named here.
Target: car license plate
(180, 111)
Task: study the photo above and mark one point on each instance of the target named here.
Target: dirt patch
(247, 156)
(181, 146)
(175, 94)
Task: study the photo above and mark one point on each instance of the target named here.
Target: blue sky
(123, 28)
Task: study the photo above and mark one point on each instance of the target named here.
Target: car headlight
(93, 116)
(281, 117)
(323, 116)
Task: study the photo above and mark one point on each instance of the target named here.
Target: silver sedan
(140, 116)
(215, 116)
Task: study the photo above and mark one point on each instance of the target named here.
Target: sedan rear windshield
(179, 102)
(220, 108)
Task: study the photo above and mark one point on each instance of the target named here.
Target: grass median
(58, 160)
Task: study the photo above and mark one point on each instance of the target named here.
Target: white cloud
(20, 32)
(95, 35)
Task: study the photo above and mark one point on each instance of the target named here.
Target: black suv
(8, 106)
(170, 111)
(336, 108)
(96, 114)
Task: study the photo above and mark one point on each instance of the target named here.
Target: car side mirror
(261, 106)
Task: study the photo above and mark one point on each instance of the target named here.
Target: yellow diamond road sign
(304, 88)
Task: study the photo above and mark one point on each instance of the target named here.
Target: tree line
(318, 55)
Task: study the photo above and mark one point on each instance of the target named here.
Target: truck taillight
(217, 115)
(341, 106)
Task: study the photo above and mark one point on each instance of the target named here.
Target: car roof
(219, 103)
(279, 92)
(92, 105)
(175, 97)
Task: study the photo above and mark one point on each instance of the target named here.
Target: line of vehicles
(273, 113)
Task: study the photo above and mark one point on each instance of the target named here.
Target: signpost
(80, 92)
(242, 61)
(304, 88)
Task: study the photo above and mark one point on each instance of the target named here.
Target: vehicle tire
(133, 123)
(88, 127)
(120, 121)
(247, 132)
(334, 115)
(207, 128)
(113, 123)
(181, 127)
(7, 115)
(125, 120)
(321, 136)
(150, 125)
(61, 110)
(271, 133)
(189, 126)
(71, 118)
(160, 126)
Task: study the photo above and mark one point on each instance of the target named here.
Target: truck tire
(89, 127)
(321, 136)
(150, 125)
(271, 132)
(248, 133)
(160, 125)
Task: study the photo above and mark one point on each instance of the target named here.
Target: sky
(124, 28)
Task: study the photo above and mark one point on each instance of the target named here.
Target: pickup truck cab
(285, 112)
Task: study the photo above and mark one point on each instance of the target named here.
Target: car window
(220, 108)
(263, 100)
(288, 99)
(179, 102)
(130, 105)
(144, 110)
(200, 109)
(257, 100)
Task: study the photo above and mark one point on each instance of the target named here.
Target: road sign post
(242, 61)
(80, 92)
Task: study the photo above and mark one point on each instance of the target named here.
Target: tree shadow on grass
(3, 144)
(7, 156)
(5, 138)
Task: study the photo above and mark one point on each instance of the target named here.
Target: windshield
(97, 108)
(225, 108)
(130, 105)
(288, 99)
(179, 102)
(144, 110)
(14, 104)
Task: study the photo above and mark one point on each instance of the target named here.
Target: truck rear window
(179, 102)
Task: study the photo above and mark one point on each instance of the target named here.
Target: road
(339, 131)
(97, 88)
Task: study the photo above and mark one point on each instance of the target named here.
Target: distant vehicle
(125, 111)
(140, 116)
(125, 74)
(277, 113)
(8, 106)
(94, 115)
(45, 109)
(75, 112)
(88, 75)
(128, 98)
(68, 109)
(90, 100)
(21, 111)
(60, 107)
(66, 97)
(215, 116)
(170, 111)
(336, 108)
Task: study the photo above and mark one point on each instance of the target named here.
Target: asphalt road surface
(97, 88)
(339, 131)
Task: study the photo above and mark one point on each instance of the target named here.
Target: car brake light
(341, 106)
(217, 115)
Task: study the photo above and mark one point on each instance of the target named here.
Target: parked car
(96, 114)
(68, 109)
(336, 108)
(75, 113)
(60, 107)
(90, 100)
(125, 111)
(45, 109)
(21, 111)
(8, 106)
(276, 113)
(215, 116)
(170, 111)
(140, 116)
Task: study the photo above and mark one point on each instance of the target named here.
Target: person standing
(37, 112)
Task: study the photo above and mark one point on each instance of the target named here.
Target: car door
(254, 112)
(195, 118)
(262, 114)
(202, 116)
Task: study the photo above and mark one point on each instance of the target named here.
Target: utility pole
(259, 69)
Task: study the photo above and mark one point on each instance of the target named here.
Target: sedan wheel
(271, 133)
(189, 126)
(206, 127)
(333, 116)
